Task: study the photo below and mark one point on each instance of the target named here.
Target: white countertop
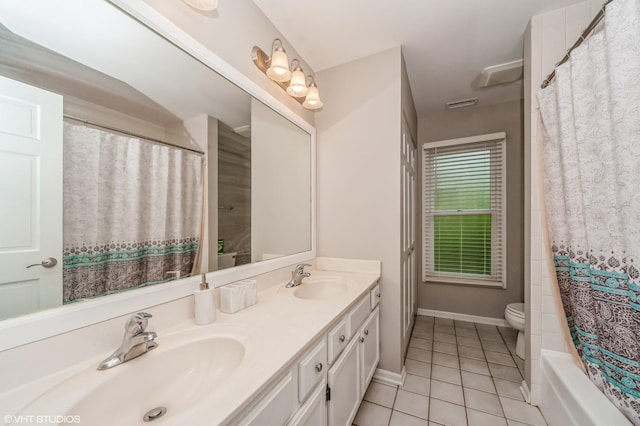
(274, 332)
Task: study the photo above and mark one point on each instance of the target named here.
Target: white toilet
(226, 260)
(514, 314)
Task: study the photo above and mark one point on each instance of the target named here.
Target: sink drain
(154, 414)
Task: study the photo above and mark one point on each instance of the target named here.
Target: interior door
(31, 198)
(408, 225)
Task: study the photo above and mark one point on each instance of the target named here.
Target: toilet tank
(226, 260)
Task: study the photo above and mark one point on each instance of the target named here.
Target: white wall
(231, 32)
(547, 39)
(358, 189)
(280, 205)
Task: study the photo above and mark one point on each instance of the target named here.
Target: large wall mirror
(126, 162)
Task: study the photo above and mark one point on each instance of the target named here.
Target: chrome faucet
(136, 341)
(297, 275)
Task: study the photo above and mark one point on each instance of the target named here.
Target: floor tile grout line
(464, 396)
(395, 397)
(429, 406)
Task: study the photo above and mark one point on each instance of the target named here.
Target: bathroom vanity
(326, 384)
(301, 356)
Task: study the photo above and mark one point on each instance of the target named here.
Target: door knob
(47, 262)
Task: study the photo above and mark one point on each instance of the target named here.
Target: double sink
(164, 383)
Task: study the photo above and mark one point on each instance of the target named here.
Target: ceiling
(446, 43)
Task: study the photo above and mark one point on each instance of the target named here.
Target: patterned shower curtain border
(582, 272)
(88, 255)
(124, 290)
(112, 268)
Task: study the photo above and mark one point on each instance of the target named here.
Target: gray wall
(507, 117)
(234, 189)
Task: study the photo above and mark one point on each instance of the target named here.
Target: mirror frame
(51, 322)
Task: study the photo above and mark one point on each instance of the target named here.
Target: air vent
(501, 74)
(463, 103)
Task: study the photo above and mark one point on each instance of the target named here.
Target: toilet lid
(516, 309)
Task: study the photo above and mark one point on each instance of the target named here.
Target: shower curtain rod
(113, 129)
(592, 26)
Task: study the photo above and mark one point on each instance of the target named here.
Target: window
(464, 210)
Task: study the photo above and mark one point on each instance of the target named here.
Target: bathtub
(567, 396)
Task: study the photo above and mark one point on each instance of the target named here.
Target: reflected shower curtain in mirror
(132, 212)
(591, 157)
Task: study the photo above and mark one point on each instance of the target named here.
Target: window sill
(463, 281)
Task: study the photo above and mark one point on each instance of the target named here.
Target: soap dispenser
(205, 306)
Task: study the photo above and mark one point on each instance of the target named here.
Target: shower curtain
(591, 156)
(132, 212)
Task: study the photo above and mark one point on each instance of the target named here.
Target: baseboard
(463, 317)
(390, 378)
(524, 389)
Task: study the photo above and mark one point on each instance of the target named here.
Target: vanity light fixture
(290, 78)
(206, 5)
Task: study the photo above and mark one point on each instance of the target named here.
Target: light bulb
(312, 100)
(298, 86)
(279, 69)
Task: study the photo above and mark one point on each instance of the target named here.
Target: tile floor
(458, 373)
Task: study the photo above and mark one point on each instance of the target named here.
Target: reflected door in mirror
(31, 198)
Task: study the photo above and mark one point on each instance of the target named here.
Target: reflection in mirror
(281, 182)
(130, 162)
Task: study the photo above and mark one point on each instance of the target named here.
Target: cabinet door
(277, 406)
(314, 411)
(344, 384)
(369, 348)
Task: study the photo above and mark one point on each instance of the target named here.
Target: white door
(408, 255)
(369, 349)
(344, 384)
(30, 198)
(314, 411)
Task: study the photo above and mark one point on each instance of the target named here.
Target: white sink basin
(175, 378)
(317, 288)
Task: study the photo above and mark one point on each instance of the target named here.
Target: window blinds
(464, 210)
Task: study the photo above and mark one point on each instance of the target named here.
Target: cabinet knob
(319, 367)
(378, 295)
(342, 338)
(366, 332)
(361, 339)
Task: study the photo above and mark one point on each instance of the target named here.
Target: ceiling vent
(501, 74)
(462, 103)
